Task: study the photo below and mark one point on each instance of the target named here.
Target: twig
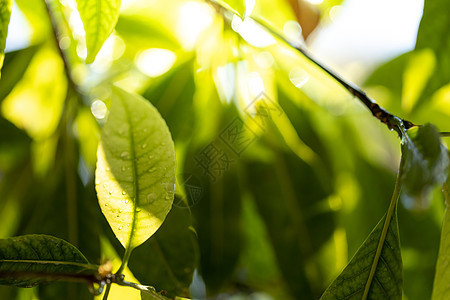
(380, 113)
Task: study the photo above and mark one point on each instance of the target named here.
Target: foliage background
(289, 211)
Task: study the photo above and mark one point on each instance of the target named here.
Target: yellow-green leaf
(441, 287)
(99, 19)
(5, 15)
(135, 172)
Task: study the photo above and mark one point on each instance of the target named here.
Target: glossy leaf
(30, 260)
(135, 173)
(99, 19)
(5, 15)
(426, 162)
(172, 252)
(442, 277)
(355, 283)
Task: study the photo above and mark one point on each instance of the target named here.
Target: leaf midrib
(54, 262)
(387, 223)
(134, 171)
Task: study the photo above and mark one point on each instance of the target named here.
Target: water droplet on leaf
(124, 193)
(151, 197)
(143, 146)
(125, 155)
(111, 191)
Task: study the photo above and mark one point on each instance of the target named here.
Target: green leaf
(215, 197)
(172, 252)
(29, 260)
(441, 279)
(426, 162)
(152, 295)
(5, 15)
(99, 19)
(433, 35)
(15, 65)
(135, 172)
(369, 277)
(292, 202)
(173, 96)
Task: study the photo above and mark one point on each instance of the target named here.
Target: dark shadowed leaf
(172, 252)
(215, 197)
(289, 197)
(426, 162)
(15, 64)
(15, 146)
(30, 260)
(173, 96)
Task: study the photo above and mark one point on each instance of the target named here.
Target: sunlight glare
(249, 5)
(298, 77)
(154, 62)
(255, 84)
(194, 18)
(251, 32)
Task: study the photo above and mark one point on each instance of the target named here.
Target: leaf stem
(445, 134)
(125, 259)
(108, 288)
(387, 222)
(378, 112)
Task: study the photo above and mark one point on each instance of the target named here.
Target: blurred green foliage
(282, 174)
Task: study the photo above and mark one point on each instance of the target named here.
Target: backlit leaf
(135, 172)
(433, 35)
(30, 260)
(99, 18)
(426, 162)
(5, 15)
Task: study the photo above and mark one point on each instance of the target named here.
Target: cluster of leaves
(279, 188)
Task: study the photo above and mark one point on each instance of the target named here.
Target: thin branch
(381, 114)
(445, 134)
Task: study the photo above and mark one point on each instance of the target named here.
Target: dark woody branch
(391, 121)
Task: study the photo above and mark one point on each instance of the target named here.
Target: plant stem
(125, 259)
(387, 222)
(445, 134)
(108, 288)
(381, 114)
